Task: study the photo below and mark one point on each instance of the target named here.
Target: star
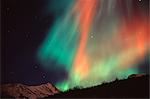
(92, 36)
(8, 9)
(140, 0)
(43, 76)
(27, 34)
(36, 17)
(35, 67)
(8, 31)
(11, 72)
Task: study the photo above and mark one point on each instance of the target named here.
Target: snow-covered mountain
(32, 92)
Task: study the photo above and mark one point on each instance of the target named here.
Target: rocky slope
(32, 92)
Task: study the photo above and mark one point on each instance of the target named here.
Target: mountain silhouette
(135, 86)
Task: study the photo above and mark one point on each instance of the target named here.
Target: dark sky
(24, 27)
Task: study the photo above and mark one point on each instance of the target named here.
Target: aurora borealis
(96, 41)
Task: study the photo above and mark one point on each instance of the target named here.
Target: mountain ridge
(136, 86)
(20, 90)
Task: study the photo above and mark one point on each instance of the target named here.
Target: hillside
(136, 86)
(24, 91)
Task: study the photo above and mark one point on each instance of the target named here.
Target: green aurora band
(95, 42)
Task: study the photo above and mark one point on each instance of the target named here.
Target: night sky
(25, 30)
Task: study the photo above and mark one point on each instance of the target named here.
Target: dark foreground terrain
(136, 86)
